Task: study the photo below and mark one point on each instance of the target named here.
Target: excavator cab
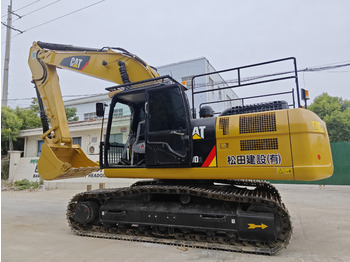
(157, 130)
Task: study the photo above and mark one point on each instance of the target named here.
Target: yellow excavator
(202, 178)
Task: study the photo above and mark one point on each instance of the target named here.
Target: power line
(55, 19)
(16, 15)
(27, 5)
(11, 27)
(38, 9)
(251, 78)
(323, 68)
(247, 79)
(23, 7)
(63, 16)
(335, 63)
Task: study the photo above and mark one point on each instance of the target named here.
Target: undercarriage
(243, 216)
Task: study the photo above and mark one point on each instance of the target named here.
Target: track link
(229, 190)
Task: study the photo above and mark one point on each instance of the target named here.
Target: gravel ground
(34, 228)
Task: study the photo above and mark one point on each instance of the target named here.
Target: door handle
(177, 133)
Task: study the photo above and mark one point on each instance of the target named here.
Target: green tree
(34, 106)
(15, 120)
(11, 125)
(336, 113)
(71, 114)
(29, 117)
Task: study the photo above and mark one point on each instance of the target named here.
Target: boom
(59, 157)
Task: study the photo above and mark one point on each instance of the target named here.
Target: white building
(185, 70)
(180, 71)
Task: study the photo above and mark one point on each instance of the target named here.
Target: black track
(263, 195)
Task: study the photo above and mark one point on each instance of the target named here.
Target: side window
(40, 143)
(77, 140)
(167, 110)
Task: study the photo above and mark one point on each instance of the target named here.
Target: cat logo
(76, 62)
(198, 132)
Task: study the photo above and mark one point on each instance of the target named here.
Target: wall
(87, 104)
(27, 169)
(87, 130)
(31, 147)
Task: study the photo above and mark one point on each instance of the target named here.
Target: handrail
(240, 84)
(250, 97)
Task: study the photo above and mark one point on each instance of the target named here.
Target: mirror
(100, 109)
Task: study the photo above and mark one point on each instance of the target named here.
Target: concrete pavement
(34, 228)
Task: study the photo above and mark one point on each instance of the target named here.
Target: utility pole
(5, 85)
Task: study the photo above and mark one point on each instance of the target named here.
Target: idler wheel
(86, 212)
(185, 199)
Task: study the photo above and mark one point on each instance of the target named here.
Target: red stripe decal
(84, 66)
(210, 157)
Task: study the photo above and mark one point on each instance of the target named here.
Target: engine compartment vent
(259, 144)
(224, 124)
(257, 123)
(254, 108)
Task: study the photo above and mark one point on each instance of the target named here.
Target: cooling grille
(224, 124)
(259, 144)
(257, 123)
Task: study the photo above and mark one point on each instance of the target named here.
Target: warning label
(284, 171)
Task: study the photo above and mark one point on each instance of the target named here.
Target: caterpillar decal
(204, 142)
(198, 132)
(76, 62)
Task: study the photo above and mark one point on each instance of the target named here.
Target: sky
(229, 33)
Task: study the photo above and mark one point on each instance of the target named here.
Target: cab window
(166, 110)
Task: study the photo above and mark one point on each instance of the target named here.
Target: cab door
(168, 127)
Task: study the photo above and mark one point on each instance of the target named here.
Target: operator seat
(139, 145)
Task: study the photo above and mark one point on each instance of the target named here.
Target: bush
(26, 184)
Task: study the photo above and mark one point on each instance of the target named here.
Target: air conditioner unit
(93, 150)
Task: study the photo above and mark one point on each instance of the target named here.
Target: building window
(118, 112)
(40, 143)
(89, 116)
(77, 140)
(188, 80)
(116, 138)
